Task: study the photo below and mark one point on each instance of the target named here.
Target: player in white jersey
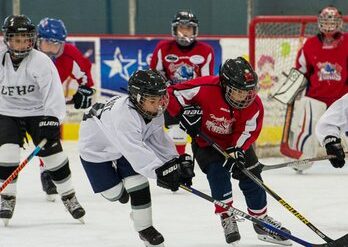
(333, 124)
(122, 143)
(32, 101)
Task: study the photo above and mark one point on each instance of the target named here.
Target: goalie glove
(333, 147)
(191, 120)
(83, 97)
(293, 85)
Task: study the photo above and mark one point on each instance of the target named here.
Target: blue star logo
(119, 65)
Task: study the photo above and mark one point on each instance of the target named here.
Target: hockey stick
(341, 242)
(23, 164)
(273, 194)
(292, 163)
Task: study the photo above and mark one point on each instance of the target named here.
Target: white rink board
(184, 219)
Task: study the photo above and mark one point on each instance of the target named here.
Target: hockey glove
(83, 97)
(186, 168)
(236, 162)
(168, 175)
(49, 129)
(191, 119)
(333, 147)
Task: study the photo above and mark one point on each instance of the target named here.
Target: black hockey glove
(236, 162)
(168, 175)
(333, 147)
(83, 97)
(191, 119)
(49, 129)
(186, 168)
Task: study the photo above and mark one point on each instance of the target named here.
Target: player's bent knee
(114, 193)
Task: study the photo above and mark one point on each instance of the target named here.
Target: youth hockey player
(126, 143)
(331, 126)
(181, 59)
(323, 60)
(232, 117)
(31, 101)
(71, 65)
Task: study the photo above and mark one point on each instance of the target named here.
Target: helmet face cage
(330, 20)
(148, 92)
(185, 19)
(239, 98)
(141, 101)
(19, 30)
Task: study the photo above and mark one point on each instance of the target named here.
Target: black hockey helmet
(144, 85)
(239, 82)
(19, 26)
(185, 18)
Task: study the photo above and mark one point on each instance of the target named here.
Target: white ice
(184, 219)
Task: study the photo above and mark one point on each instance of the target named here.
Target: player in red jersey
(181, 59)
(232, 118)
(71, 64)
(323, 60)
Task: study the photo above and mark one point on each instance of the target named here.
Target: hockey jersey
(34, 89)
(183, 63)
(73, 64)
(334, 121)
(326, 68)
(225, 125)
(124, 133)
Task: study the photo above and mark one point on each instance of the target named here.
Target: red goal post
(273, 45)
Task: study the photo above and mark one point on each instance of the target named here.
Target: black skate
(124, 197)
(267, 235)
(7, 206)
(74, 207)
(151, 237)
(48, 186)
(229, 224)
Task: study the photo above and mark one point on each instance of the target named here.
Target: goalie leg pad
(9, 157)
(306, 113)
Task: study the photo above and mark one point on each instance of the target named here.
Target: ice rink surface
(184, 219)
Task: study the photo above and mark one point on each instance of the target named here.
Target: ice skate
(267, 235)
(7, 206)
(74, 207)
(151, 237)
(229, 224)
(48, 186)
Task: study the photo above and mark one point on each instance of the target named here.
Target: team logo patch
(171, 58)
(329, 71)
(197, 59)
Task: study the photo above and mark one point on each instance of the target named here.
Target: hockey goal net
(273, 45)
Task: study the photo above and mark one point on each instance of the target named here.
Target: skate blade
(82, 220)
(6, 221)
(51, 198)
(235, 243)
(274, 241)
(147, 244)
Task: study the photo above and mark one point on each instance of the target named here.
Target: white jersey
(124, 133)
(334, 121)
(34, 89)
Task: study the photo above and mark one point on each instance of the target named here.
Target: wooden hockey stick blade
(341, 242)
(295, 162)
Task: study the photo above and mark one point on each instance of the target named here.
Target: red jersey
(183, 63)
(325, 69)
(227, 126)
(73, 64)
